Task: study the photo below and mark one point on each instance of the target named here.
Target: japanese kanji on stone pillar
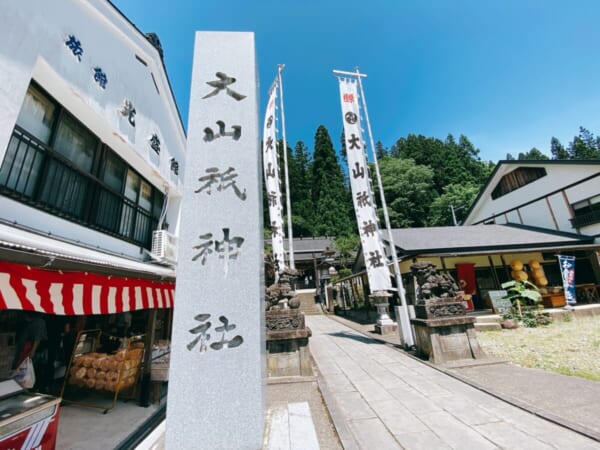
(216, 378)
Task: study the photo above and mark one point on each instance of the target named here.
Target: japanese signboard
(362, 195)
(217, 349)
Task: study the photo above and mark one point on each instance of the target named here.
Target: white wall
(32, 45)
(538, 213)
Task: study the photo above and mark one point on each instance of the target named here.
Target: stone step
(488, 319)
(313, 312)
(487, 326)
(308, 305)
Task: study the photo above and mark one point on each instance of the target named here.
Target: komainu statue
(433, 285)
(280, 294)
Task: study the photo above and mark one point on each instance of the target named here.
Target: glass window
(109, 196)
(75, 142)
(113, 171)
(21, 166)
(37, 115)
(145, 200)
(132, 187)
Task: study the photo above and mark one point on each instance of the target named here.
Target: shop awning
(78, 293)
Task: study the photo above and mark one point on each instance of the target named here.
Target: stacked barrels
(518, 272)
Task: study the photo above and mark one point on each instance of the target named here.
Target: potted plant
(522, 293)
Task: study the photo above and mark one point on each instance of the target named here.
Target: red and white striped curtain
(78, 293)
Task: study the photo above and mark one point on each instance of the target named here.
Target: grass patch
(569, 348)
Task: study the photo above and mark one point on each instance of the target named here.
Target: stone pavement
(381, 397)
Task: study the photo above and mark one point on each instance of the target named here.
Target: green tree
(409, 191)
(332, 206)
(557, 150)
(460, 197)
(347, 246)
(533, 155)
(451, 161)
(380, 150)
(300, 191)
(584, 146)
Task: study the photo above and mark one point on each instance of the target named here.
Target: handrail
(586, 219)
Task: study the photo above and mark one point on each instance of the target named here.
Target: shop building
(92, 152)
(527, 211)
(481, 255)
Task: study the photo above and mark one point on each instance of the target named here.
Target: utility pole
(453, 209)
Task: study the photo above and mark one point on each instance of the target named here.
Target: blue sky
(508, 74)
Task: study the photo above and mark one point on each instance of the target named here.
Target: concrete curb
(344, 434)
(592, 434)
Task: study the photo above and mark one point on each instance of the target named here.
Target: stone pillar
(217, 373)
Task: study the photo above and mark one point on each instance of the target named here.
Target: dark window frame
(64, 189)
(586, 212)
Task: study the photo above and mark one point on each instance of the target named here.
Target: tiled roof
(309, 245)
(479, 237)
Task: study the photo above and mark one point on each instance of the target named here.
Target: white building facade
(91, 143)
(556, 195)
(92, 158)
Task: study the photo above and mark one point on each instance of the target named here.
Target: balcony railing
(35, 174)
(586, 219)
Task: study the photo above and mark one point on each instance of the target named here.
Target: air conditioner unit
(164, 245)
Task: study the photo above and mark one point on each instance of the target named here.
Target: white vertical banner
(272, 183)
(362, 196)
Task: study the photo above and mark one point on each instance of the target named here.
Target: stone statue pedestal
(288, 353)
(384, 324)
(444, 333)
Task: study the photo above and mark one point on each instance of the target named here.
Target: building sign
(217, 347)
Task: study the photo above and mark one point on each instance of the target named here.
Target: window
(516, 179)
(75, 143)
(586, 212)
(112, 173)
(54, 162)
(37, 114)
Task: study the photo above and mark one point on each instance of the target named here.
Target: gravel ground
(569, 348)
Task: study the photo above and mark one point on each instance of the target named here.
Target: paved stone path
(380, 398)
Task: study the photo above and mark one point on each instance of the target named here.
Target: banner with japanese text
(362, 196)
(272, 182)
(567, 271)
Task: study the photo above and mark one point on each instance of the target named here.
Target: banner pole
(280, 68)
(405, 322)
